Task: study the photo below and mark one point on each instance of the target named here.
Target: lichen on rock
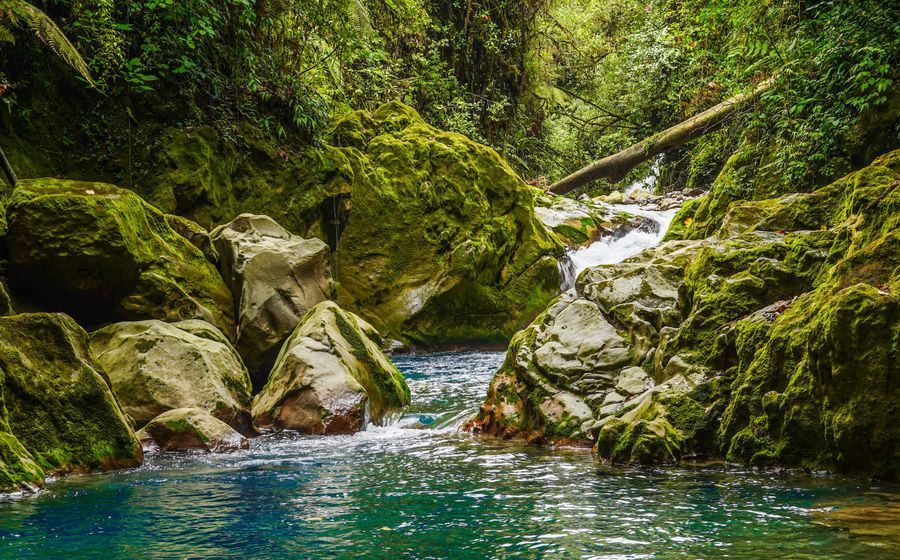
(155, 366)
(183, 429)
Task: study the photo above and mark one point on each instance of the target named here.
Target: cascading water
(617, 248)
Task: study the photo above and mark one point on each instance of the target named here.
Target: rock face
(58, 413)
(436, 237)
(156, 366)
(330, 372)
(103, 254)
(182, 429)
(775, 341)
(6, 307)
(275, 277)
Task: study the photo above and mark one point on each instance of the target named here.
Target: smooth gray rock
(275, 278)
(156, 366)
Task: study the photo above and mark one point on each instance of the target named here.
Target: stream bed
(422, 489)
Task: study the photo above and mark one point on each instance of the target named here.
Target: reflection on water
(421, 489)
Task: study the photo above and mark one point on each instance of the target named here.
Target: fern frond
(19, 12)
(6, 34)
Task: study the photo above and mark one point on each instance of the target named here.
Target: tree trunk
(615, 167)
(8, 170)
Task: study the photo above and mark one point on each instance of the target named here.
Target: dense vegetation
(549, 84)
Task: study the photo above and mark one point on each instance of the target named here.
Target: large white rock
(275, 278)
(156, 366)
(329, 374)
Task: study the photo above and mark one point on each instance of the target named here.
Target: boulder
(441, 245)
(330, 376)
(57, 405)
(585, 349)
(104, 254)
(156, 366)
(183, 429)
(275, 278)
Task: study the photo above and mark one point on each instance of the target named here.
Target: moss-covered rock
(773, 341)
(18, 470)
(581, 222)
(442, 244)
(102, 253)
(330, 373)
(183, 429)
(57, 400)
(436, 237)
(156, 366)
(561, 374)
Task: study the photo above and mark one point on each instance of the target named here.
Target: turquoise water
(421, 489)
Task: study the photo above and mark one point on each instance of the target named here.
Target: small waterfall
(567, 272)
(616, 248)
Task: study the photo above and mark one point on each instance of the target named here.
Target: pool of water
(421, 489)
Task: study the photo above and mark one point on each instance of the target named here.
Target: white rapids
(617, 248)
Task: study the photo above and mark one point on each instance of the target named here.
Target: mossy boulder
(155, 366)
(435, 237)
(442, 244)
(576, 363)
(329, 374)
(774, 341)
(184, 429)
(275, 278)
(57, 401)
(103, 254)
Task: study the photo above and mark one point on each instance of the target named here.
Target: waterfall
(616, 248)
(567, 272)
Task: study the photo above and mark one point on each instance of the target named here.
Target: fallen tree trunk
(615, 167)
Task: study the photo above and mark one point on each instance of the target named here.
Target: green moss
(384, 384)
(57, 399)
(683, 220)
(102, 253)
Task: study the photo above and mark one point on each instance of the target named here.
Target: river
(422, 489)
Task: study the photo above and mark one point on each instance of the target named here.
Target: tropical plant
(18, 13)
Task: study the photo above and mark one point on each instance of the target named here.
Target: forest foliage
(551, 84)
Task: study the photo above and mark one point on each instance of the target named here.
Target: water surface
(421, 489)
